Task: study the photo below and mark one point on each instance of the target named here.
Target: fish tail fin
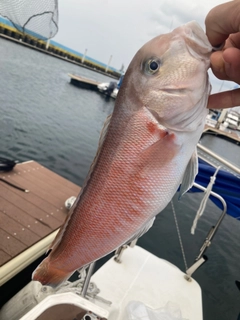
(49, 275)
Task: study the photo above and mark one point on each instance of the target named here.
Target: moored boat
(132, 283)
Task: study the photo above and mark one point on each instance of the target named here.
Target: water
(46, 119)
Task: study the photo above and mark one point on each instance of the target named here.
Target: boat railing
(218, 158)
(201, 258)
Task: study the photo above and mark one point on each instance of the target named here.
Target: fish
(147, 149)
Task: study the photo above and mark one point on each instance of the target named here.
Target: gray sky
(120, 27)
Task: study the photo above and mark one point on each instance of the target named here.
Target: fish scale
(146, 149)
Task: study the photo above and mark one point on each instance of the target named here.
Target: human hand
(223, 24)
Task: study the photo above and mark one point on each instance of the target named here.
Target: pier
(30, 220)
(229, 135)
(83, 82)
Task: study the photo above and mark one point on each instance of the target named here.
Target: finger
(231, 59)
(233, 41)
(221, 21)
(223, 100)
(217, 65)
(226, 64)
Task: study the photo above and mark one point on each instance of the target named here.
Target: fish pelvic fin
(49, 275)
(189, 175)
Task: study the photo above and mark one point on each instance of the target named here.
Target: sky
(118, 28)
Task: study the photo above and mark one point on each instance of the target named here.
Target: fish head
(168, 75)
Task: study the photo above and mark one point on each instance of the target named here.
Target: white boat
(140, 286)
(108, 88)
(132, 285)
(224, 120)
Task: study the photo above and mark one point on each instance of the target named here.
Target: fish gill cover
(34, 17)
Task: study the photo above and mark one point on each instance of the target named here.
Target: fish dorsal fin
(189, 175)
(100, 143)
(103, 133)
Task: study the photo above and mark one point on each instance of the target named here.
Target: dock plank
(54, 176)
(4, 257)
(54, 179)
(43, 181)
(22, 181)
(40, 203)
(84, 80)
(21, 217)
(28, 207)
(9, 244)
(17, 230)
(27, 218)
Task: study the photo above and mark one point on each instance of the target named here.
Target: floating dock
(232, 135)
(83, 82)
(29, 221)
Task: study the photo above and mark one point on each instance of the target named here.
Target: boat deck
(232, 135)
(27, 218)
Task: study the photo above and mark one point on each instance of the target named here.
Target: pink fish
(146, 150)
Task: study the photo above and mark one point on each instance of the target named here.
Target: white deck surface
(143, 277)
(140, 277)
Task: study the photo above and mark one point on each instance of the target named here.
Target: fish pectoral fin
(160, 152)
(190, 174)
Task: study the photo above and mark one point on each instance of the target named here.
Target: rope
(204, 201)
(179, 236)
(14, 185)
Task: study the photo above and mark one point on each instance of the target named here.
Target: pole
(83, 58)
(47, 44)
(110, 59)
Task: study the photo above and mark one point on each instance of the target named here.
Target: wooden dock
(230, 135)
(29, 221)
(84, 82)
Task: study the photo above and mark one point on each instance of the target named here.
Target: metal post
(47, 44)
(119, 253)
(87, 279)
(222, 116)
(110, 59)
(83, 58)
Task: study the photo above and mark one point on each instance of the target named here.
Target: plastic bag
(138, 311)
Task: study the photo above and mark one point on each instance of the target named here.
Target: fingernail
(218, 47)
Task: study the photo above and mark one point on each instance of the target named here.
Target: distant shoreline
(9, 33)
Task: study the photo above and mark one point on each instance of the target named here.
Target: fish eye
(152, 65)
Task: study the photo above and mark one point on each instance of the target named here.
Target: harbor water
(45, 118)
